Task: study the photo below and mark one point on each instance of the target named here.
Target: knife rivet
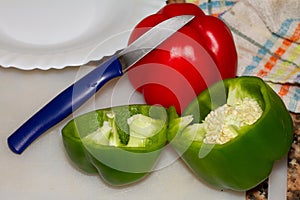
(93, 85)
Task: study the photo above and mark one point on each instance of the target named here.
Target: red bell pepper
(198, 55)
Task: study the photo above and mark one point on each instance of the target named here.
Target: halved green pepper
(122, 143)
(246, 156)
(229, 136)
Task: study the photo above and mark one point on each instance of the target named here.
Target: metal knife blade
(75, 95)
(151, 39)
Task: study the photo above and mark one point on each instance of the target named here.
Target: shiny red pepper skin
(198, 55)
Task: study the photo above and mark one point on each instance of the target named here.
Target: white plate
(57, 33)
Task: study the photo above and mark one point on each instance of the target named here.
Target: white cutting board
(43, 171)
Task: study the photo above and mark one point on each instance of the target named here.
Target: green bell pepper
(122, 143)
(232, 133)
(229, 136)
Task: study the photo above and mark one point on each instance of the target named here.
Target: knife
(75, 95)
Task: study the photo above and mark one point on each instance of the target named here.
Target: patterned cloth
(267, 37)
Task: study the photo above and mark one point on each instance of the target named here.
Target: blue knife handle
(64, 104)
